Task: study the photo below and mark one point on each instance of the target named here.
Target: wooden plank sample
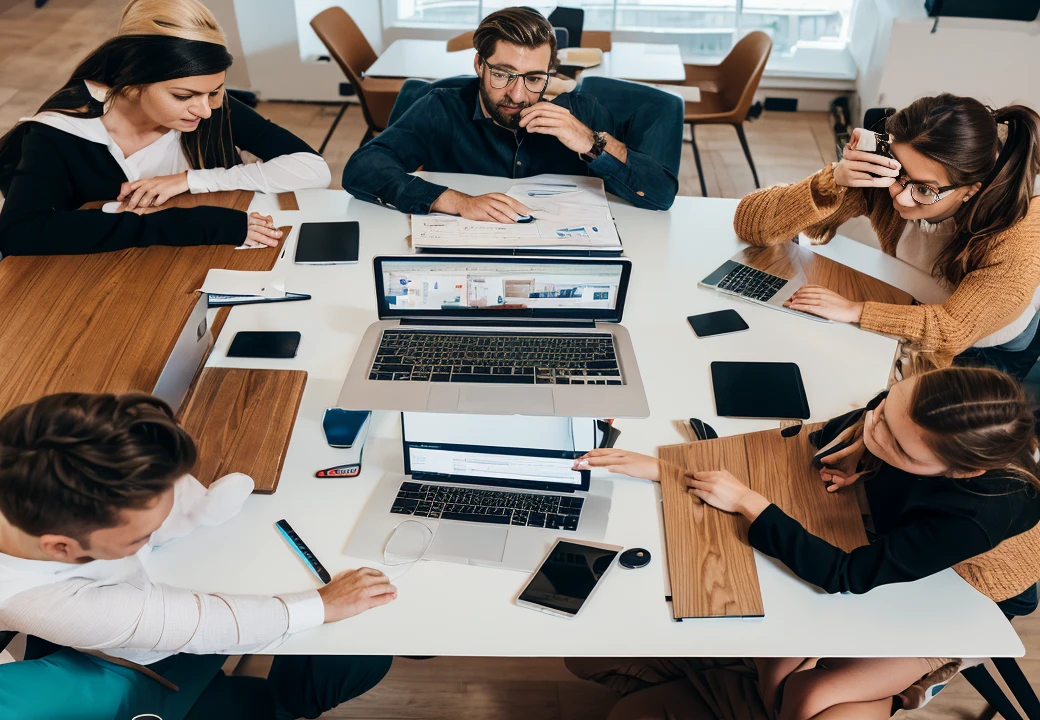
(780, 470)
(788, 259)
(104, 322)
(242, 421)
(288, 201)
(710, 565)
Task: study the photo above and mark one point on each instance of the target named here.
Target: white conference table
(453, 609)
(430, 60)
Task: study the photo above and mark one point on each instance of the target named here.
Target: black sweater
(59, 172)
(923, 524)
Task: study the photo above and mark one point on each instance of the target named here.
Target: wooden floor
(39, 49)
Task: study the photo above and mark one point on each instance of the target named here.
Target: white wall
(278, 47)
(899, 59)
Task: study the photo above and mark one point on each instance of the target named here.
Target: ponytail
(963, 135)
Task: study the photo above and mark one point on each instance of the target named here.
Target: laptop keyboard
(488, 506)
(560, 359)
(752, 283)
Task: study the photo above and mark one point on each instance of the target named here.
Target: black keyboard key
(412, 487)
(536, 520)
(510, 379)
(440, 377)
(570, 523)
(404, 507)
(474, 517)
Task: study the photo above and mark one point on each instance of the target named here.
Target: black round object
(634, 558)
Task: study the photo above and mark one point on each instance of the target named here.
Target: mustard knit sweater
(987, 299)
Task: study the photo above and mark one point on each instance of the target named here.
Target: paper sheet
(569, 212)
(243, 282)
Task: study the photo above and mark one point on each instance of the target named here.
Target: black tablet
(327, 243)
(758, 390)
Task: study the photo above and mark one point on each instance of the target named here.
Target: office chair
(414, 88)
(572, 19)
(727, 91)
(462, 41)
(349, 48)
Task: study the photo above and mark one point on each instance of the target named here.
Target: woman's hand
(825, 303)
(721, 490)
(622, 462)
(856, 165)
(839, 468)
(261, 231)
(152, 192)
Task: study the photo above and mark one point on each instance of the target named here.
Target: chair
(462, 41)
(647, 119)
(414, 88)
(727, 90)
(596, 39)
(351, 51)
(1002, 574)
(570, 18)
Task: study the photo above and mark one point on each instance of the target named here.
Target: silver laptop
(498, 335)
(485, 505)
(762, 275)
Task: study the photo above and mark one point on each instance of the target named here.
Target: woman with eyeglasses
(953, 201)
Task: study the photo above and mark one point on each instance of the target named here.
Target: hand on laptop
(492, 207)
(825, 303)
(351, 592)
(623, 462)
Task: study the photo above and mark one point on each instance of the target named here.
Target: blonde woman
(143, 118)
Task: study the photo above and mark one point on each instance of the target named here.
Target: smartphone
(567, 578)
(327, 243)
(265, 344)
(342, 426)
(721, 322)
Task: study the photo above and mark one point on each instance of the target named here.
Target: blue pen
(297, 544)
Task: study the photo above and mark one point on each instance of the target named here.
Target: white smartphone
(567, 578)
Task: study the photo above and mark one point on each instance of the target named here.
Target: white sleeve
(195, 505)
(82, 614)
(296, 171)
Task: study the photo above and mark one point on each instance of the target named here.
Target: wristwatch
(599, 143)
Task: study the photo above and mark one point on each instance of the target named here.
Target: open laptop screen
(496, 287)
(501, 466)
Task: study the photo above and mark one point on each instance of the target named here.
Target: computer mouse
(634, 558)
(525, 219)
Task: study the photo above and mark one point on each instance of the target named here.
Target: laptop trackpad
(483, 544)
(443, 398)
(506, 401)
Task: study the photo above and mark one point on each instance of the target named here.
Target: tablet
(327, 243)
(758, 390)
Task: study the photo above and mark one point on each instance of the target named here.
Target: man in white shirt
(89, 484)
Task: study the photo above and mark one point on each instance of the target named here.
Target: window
(702, 28)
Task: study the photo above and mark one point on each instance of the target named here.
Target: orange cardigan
(988, 297)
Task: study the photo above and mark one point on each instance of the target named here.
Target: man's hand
(152, 192)
(493, 207)
(546, 118)
(351, 592)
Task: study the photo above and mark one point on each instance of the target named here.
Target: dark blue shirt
(446, 131)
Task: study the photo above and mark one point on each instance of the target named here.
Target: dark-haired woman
(955, 202)
(143, 118)
(946, 463)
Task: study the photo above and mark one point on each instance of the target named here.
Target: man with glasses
(499, 124)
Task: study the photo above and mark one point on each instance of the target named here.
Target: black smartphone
(720, 322)
(264, 344)
(327, 243)
(566, 579)
(342, 426)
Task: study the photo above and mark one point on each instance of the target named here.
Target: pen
(297, 544)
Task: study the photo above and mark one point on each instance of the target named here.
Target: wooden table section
(107, 322)
(710, 564)
(242, 421)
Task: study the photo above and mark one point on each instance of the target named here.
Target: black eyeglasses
(535, 82)
(922, 193)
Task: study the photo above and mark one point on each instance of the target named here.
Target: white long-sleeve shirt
(113, 606)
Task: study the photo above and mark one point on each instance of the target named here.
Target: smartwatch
(599, 143)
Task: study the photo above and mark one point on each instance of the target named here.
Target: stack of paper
(241, 287)
(570, 214)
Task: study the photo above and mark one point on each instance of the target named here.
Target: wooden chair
(727, 90)
(596, 39)
(349, 48)
(462, 41)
